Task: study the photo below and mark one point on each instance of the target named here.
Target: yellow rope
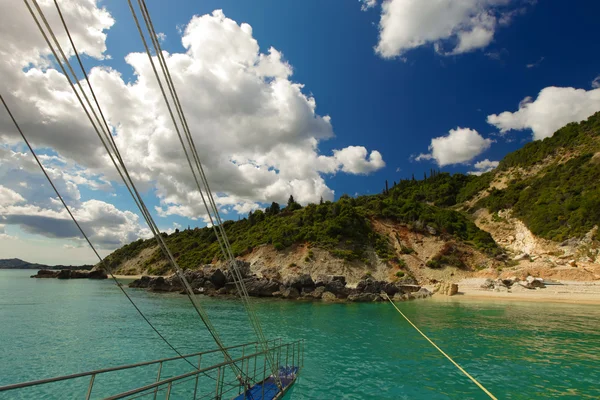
(442, 351)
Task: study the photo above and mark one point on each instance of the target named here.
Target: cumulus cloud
(257, 132)
(553, 108)
(465, 25)
(484, 166)
(35, 208)
(460, 146)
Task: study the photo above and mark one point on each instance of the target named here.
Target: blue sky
(391, 104)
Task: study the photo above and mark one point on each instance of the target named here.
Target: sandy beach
(577, 292)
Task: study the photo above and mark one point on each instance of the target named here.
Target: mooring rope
(442, 351)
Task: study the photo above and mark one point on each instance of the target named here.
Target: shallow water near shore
(353, 351)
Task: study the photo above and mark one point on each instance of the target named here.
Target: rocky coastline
(212, 281)
(71, 274)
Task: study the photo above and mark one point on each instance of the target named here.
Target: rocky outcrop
(209, 281)
(71, 274)
(446, 288)
(364, 297)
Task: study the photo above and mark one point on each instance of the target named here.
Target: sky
(309, 98)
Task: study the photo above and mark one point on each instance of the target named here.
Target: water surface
(353, 351)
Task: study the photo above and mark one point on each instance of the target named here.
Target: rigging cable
(101, 260)
(126, 179)
(218, 226)
(461, 369)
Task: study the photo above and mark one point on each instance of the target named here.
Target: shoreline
(569, 292)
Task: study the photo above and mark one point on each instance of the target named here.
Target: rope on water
(443, 353)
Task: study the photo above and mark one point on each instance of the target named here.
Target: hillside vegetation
(560, 201)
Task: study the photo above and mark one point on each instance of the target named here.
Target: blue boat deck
(267, 389)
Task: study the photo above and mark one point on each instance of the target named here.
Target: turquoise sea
(353, 351)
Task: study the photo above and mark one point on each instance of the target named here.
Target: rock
(573, 263)
(421, 294)
(328, 296)
(522, 256)
(143, 282)
(262, 287)
(242, 266)
(403, 289)
(322, 280)
(317, 293)
(370, 286)
(338, 288)
(64, 274)
(290, 293)
(218, 278)
(398, 297)
(431, 230)
(222, 291)
(448, 289)
(97, 274)
(535, 282)
(488, 284)
(45, 273)
(364, 297)
(299, 281)
(160, 284)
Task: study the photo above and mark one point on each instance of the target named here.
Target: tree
(274, 209)
(292, 205)
(321, 201)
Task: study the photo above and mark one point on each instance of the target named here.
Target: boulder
(143, 282)
(370, 286)
(242, 266)
(447, 288)
(364, 297)
(64, 274)
(328, 296)
(422, 294)
(535, 282)
(217, 278)
(97, 274)
(262, 287)
(338, 288)
(299, 281)
(403, 288)
(573, 263)
(322, 280)
(317, 293)
(45, 273)
(290, 293)
(488, 284)
(160, 284)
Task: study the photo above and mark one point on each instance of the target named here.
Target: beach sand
(576, 292)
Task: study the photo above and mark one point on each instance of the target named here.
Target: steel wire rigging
(104, 133)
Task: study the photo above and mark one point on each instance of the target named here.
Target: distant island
(15, 263)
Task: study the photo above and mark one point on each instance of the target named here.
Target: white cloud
(353, 159)
(161, 36)
(9, 197)
(464, 25)
(553, 108)
(460, 146)
(367, 4)
(596, 82)
(257, 132)
(484, 166)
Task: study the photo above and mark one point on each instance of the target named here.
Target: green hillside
(560, 202)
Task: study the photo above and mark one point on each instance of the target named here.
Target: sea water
(517, 350)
